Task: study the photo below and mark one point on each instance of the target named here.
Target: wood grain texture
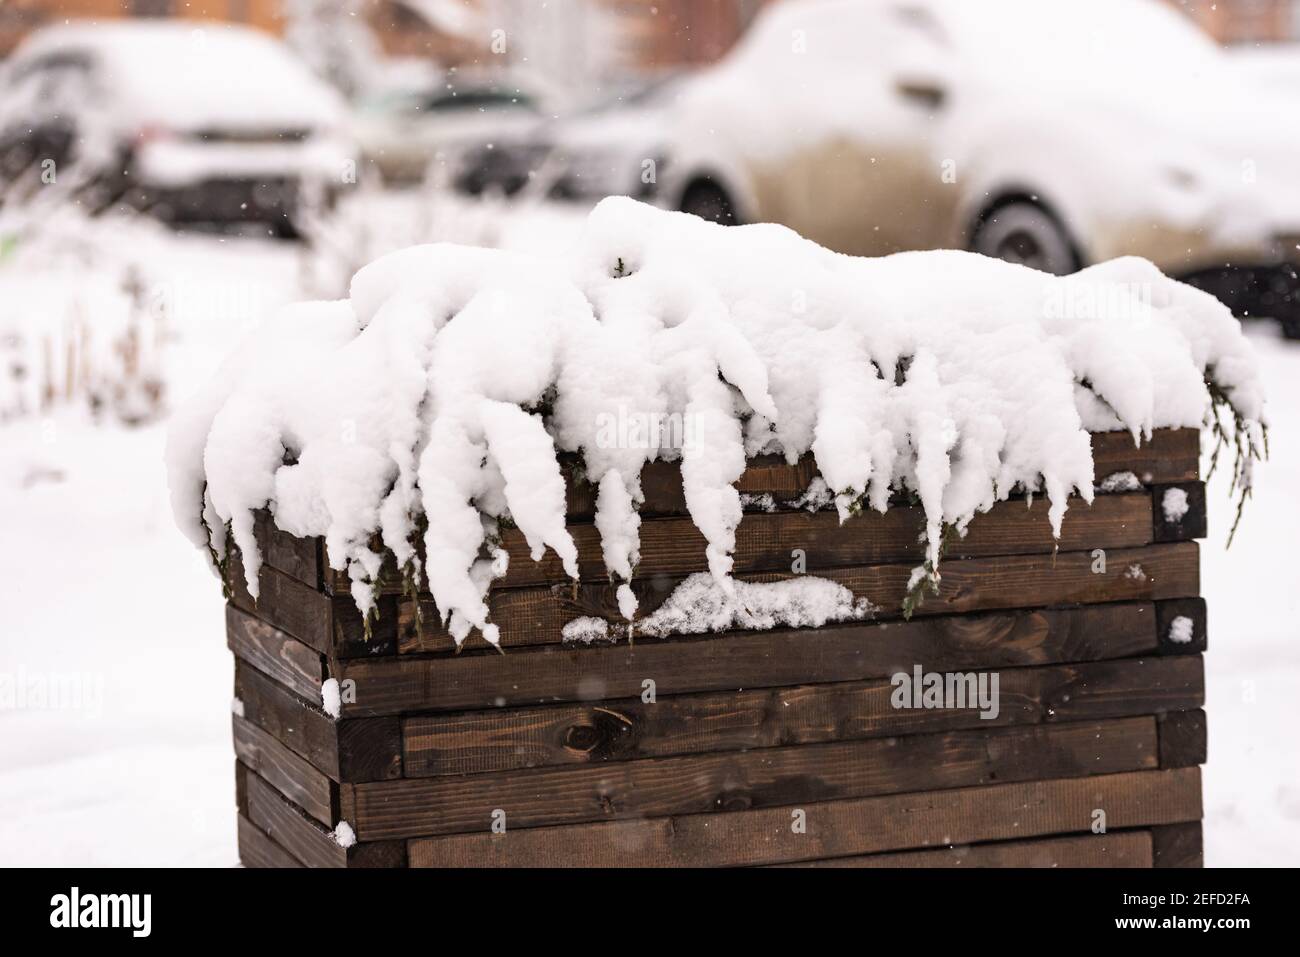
(330, 625)
(304, 839)
(300, 558)
(853, 652)
(291, 775)
(765, 542)
(1178, 845)
(303, 728)
(275, 653)
(370, 749)
(350, 750)
(1125, 849)
(1183, 738)
(834, 828)
(258, 850)
(535, 616)
(662, 787)
(1172, 455)
(307, 841)
(628, 729)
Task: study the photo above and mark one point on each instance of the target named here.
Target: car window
(54, 84)
(61, 62)
(478, 100)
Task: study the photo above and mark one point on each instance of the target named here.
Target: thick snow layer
(443, 388)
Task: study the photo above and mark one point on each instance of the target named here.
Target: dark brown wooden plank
(291, 775)
(1128, 849)
(258, 850)
(387, 854)
(350, 750)
(330, 625)
(507, 739)
(556, 673)
(1172, 455)
(834, 828)
(309, 842)
(274, 653)
(766, 542)
(533, 616)
(299, 558)
(1183, 738)
(1178, 845)
(370, 749)
(302, 727)
(661, 787)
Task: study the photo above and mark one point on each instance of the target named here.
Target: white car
(193, 121)
(1050, 132)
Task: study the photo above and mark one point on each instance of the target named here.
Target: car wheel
(708, 201)
(1291, 327)
(1023, 233)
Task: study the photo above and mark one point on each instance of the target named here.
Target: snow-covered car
(1049, 132)
(195, 122)
(614, 147)
(403, 133)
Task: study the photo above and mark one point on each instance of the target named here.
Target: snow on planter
(732, 433)
(429, 410)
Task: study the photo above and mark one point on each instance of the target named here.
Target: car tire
(1290, 327)
(1025, 233)
(710, 202)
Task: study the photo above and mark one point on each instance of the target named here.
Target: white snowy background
(98, 584)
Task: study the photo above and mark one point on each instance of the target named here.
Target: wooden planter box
(749, 734)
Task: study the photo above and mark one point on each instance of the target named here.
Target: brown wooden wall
(759, 748)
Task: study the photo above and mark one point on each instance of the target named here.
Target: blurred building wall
(668, 33)
(399, 30)
(1243, 21)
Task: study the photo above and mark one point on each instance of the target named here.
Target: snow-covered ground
(114, 616)
(1252, 779)
(110, 612)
